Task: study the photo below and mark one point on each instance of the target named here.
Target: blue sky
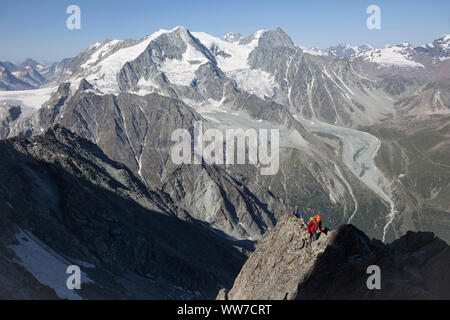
(37, 29)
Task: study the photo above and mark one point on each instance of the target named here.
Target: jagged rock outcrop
(11, 115)
(284, 266)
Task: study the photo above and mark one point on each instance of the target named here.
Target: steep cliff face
(284, 266)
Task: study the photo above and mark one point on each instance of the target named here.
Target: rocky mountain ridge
(284, 266)
(63, 202)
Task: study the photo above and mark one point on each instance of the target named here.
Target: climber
(314, 228)
(297, 212)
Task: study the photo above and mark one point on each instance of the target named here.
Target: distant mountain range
(29, 74)
(363, 140)
(211, 69)
(401, 55)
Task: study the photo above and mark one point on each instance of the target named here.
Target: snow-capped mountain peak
(232, 37)
(439, 49)
(31, 63)
(230, 55)
(341, 50)
(365, 47)
(178, 54)
(401, 55)
(101, 62)
(314, 51)
(405, 45)
(444, 42)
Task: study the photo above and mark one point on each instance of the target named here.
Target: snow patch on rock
(48, 267)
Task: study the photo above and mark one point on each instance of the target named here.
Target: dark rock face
(12, 113)
(85, 207)
(335, 267)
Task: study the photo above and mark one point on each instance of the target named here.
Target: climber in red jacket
(314, 228)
